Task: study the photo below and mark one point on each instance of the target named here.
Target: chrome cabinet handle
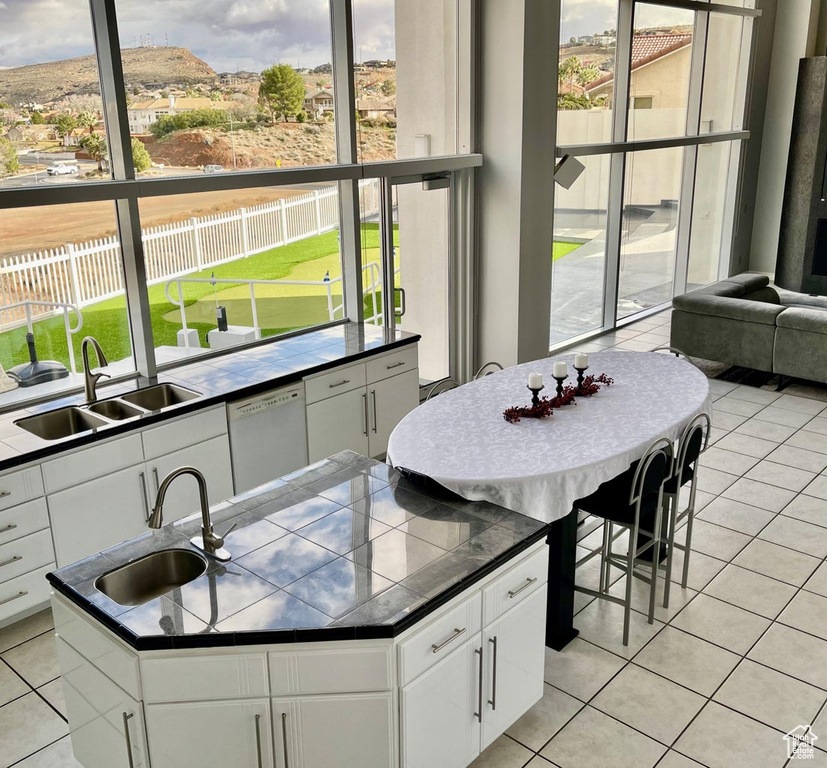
(3, 494)
(258, 741)
(23, 593)
(12, 560)
(155, 478)
(142, 481)
(457, 632)
(9, 527)
(528, 583)
(373, 395)
(284, 739)
(403, 304)
(339, 384)
(126, 718)
(493, 700)
(395, 365)
(478, 714)
(365, 407)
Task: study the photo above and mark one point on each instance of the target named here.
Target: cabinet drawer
(334, 382)
(204, 678)
(26, 554)
(341, 671)
(436, 641)
(389, 365)
(182, 433)
(24, 592)
(515, 585)
(17, 487)
(98, 461)
(23, 519)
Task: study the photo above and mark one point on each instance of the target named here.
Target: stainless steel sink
(62, 422)
(152, 576)
(115, 410)
(160, 396)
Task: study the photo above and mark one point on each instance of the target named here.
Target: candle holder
(535, 395)
(580, 376)
(560, 384)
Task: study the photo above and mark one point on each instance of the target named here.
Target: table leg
(562, 543)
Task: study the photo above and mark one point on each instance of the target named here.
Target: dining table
(461, 441)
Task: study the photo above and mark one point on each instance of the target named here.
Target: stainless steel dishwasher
(268, 436)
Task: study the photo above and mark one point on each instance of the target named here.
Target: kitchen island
(361, 621)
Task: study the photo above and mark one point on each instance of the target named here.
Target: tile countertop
(344, 549)
(247, 372)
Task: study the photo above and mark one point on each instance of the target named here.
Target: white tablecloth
(539, 467)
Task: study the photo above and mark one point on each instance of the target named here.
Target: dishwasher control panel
(267, 402)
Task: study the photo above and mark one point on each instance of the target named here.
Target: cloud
(227, 34)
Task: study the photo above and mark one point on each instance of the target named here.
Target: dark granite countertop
(247, 372)
(344, 549)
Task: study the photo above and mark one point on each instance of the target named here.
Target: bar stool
(633, 501)
(692, 443)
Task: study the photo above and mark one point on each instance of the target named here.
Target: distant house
(319, 102)
(375, 107)
(659, 74)
(143, 114)
(238, 78)
(604, 40)
(73, 138)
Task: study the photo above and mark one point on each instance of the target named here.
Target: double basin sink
(74, 420)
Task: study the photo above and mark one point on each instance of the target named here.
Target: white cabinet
(98, 514)
(106, 724)
(336, 731)
(338, 423)
(356, 407)
(212, 458)
(212, 733)
(440, 711)
(515, 652)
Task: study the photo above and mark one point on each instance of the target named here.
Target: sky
(229, 35)
(589, 17)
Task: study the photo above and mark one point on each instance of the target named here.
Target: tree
(8, 157)
(588, 74)
(95, 145)
(87, 119)
(569, 70)
(65, 124)
(37, 118)
(281, 91)
(388, 87)
(140, 157)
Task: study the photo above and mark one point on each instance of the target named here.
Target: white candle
(581, 360)
(535, 380)
(560, 370)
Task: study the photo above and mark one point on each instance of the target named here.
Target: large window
(654, 109)
(233, 192)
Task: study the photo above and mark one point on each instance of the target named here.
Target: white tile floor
(739, 658)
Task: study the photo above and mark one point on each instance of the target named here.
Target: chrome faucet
(210, 542)
(90, 380)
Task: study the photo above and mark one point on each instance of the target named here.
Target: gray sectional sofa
(745, 321)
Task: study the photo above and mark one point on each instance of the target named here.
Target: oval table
(540, 467)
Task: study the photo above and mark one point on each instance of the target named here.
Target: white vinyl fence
(86, 273)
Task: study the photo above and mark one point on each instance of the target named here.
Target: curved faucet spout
(209, 541)
(90, 380)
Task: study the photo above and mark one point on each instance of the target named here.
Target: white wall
(796, 33)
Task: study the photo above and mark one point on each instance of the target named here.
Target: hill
(143, 67)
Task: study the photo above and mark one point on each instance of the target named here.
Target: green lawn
(563, 249)
(107, 320)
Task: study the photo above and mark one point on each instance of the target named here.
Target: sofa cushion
(751, 281)
(793, 299)
(731, 308)
(803, 319)
(767, 294)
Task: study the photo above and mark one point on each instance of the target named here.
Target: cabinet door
(439, 726)
(220, 733)
(106, 724)
(515, 656)
(390, 401)
(98, 514)
(212, 458)
(336, 731)
(337, 424)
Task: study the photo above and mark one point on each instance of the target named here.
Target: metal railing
(56, 306)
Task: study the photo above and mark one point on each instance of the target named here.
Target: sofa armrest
(733, 309)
